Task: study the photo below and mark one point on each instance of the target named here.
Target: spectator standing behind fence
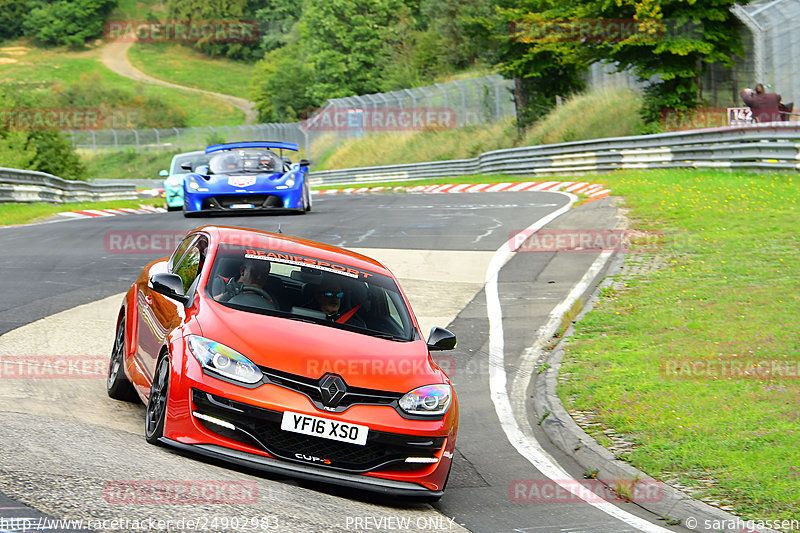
(763, 104)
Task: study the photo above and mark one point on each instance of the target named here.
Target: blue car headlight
(220, 359)
(288, 181)
(427, 400)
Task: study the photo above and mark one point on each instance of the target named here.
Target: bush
(66, 22)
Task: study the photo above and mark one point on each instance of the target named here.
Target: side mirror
(170, 285)
(304, 162)
(203, 170)
(441, 339)
(187, 165)
(163, 173)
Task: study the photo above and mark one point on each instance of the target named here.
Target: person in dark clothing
(763, 104)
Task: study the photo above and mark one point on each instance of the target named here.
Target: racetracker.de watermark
(584, 240)
(367, 367)
(731, 368)
(141, 242)
(382, 119)
(584, 490)
(50, 118)
(534, 28)
(182, 31)
(53, 367)
(180, 492)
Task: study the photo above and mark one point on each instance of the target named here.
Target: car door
(158, 314)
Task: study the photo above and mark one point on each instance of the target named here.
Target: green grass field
(34, 68)
(726, 298)
(184, 66)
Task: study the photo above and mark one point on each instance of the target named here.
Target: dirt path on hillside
(114, 55)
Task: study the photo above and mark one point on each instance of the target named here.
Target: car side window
(191, 264)
(179, 251)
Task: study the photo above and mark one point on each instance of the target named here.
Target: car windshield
(195, 159)
(309, 289)
(237, 161)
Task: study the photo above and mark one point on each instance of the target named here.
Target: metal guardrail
(774, 146)
(31, 186)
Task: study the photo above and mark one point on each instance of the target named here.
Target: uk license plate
(324, 428)
(242, 206)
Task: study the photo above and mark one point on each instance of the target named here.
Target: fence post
(463, 103)
(197, 137)
(94, 141)
(158, 137)
(116, 143)
(479, 95)
(178, 138)
(497, 111)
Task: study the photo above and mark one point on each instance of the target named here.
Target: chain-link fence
(775, 29)
(770, 33)
(442, 106)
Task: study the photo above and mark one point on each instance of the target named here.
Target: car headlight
(193, 184)
(223, 360)
(290, 180)
(427, 400)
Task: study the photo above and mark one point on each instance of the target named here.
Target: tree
(670, 44)
(542, 64)
(66, 22)
(280, 85)
(347, 44)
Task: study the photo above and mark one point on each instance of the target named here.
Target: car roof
(295, 245)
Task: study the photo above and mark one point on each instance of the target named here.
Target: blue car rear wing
(251, 144)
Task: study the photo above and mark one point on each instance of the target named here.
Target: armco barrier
(31, 186)
(774, 146)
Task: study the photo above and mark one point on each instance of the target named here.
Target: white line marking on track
(522, 440)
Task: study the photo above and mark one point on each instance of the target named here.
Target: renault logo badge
(333, 389)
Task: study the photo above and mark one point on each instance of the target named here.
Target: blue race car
(178, 169)
(247, 176)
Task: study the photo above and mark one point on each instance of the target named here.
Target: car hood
(312, 350)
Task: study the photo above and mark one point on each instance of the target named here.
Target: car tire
(307, 201)
(157, 403)
(117, 384)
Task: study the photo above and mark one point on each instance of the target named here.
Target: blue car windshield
(237, 161)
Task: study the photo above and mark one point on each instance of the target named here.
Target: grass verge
(126, 164)
(657, 360)
(13, 213)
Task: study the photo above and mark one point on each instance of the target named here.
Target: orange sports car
(290, 356)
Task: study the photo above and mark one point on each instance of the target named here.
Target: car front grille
(261, 428)
(311, 388)
(259, 201)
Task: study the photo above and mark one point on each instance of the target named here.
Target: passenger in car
(328, 299)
